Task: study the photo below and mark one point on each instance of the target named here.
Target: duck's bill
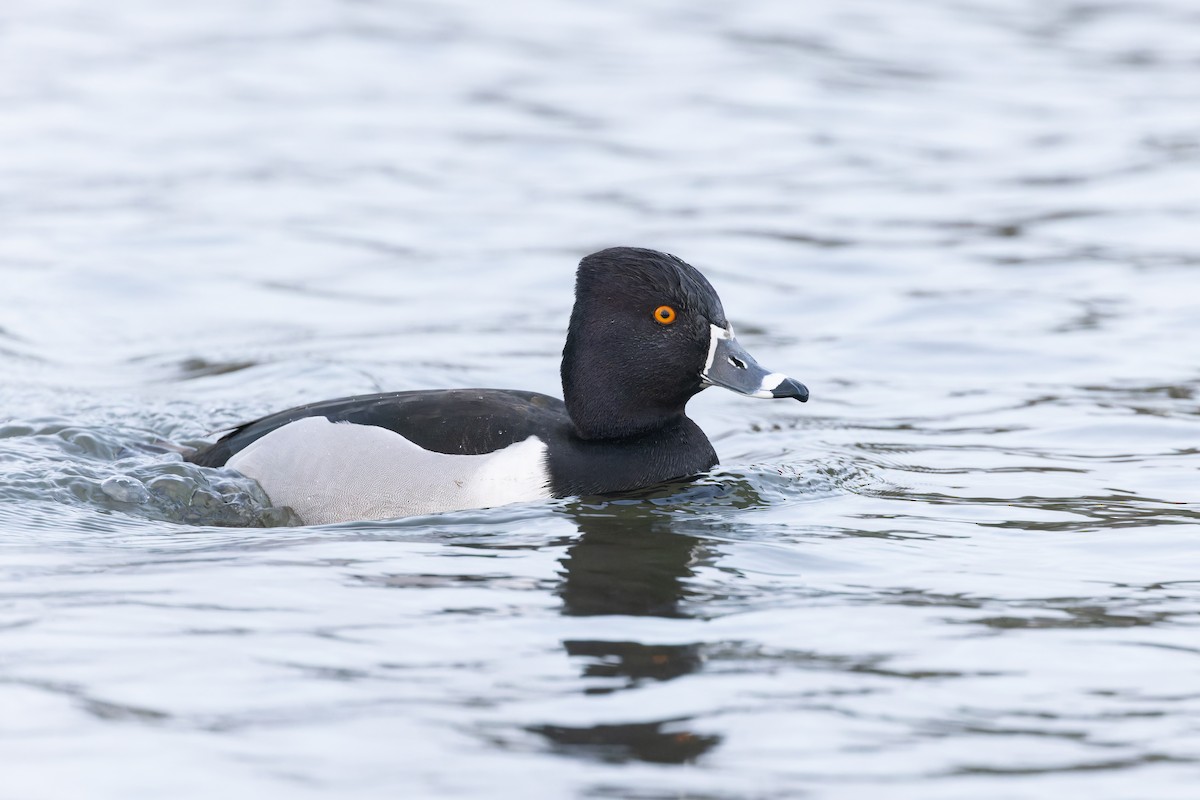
(731, 367)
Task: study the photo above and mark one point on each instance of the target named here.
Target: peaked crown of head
(639, 273)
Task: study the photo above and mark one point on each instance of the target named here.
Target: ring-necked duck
(646, 334)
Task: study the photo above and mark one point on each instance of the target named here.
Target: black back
(451, 421)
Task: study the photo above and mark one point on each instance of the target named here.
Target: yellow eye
(664, 315)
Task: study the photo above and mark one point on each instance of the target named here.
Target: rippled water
(970, 567)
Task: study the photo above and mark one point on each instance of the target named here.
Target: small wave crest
(127, 472)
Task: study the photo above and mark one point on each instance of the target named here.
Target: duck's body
(628, 372)
(404, 453)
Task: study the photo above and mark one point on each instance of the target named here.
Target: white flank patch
(339, 472)
(769, 383)
(715, 335)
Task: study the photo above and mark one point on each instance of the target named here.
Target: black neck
(610, 396)
(613, 416)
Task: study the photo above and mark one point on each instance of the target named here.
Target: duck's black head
(647, 333)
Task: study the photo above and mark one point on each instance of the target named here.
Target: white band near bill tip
(769, 384)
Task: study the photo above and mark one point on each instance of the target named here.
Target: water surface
(969, 567)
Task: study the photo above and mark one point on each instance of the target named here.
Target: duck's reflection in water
(657, 742)
(630, 561)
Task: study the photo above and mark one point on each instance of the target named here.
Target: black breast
(600, 466)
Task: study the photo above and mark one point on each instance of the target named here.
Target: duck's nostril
(737, 362)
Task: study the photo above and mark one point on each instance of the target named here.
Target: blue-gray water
(969, 567)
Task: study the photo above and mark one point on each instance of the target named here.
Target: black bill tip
(791, 388)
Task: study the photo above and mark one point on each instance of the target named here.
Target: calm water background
(970, 567)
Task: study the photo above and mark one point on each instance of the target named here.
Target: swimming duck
(647, 333)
